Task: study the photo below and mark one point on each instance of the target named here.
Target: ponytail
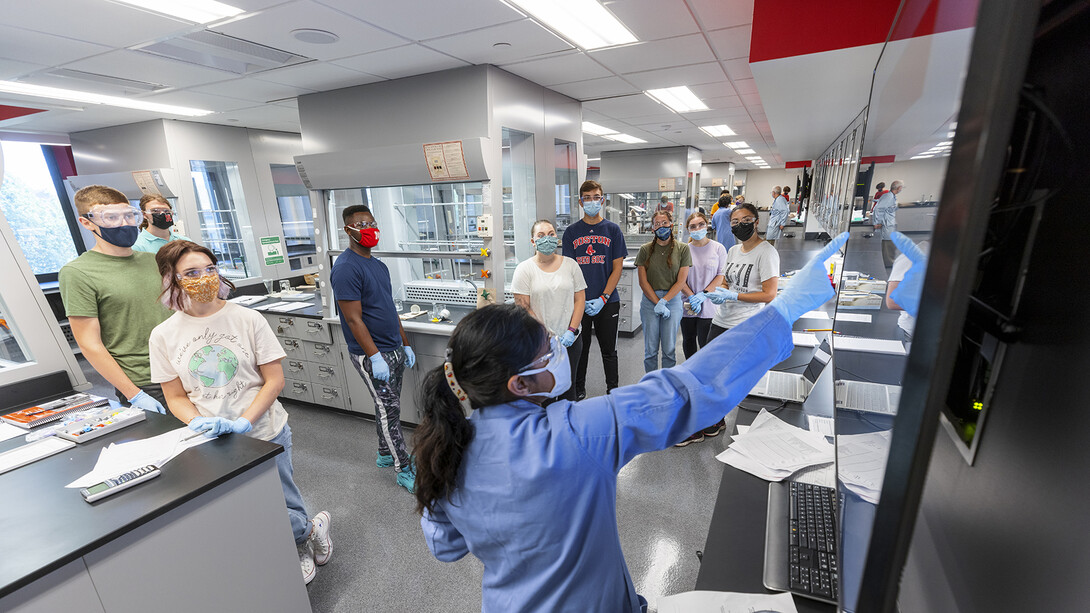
(439, 441)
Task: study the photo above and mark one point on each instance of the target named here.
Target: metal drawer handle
(295, 366)
(313, 327)
(287, 320)
(329, 396)
(297, 387)
(325, 372)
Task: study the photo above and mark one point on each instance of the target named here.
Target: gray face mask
(546, 245)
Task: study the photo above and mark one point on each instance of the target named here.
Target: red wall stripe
(877, 159)
(9, 112)
(799, 164)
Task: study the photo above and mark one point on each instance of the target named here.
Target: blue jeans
(659, 332)
(297, 511)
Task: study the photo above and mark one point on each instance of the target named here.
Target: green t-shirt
(123, 293)
(661, 275)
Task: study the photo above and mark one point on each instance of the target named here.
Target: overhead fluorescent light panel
(624, 138)
(198, 11)
(597, 130)
(56, 93)
(717, 131)
(679, 99)
(738, 144)
(744, 151)
(586, 23)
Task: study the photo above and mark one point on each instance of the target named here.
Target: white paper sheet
(289, 306)
(751, 466)
(815, 315)
(867, 345)
(804, 339)
(726, 602)
(866, 319)
(773, 449)
(862, 462)
(8, 431)
(121, 458)
(822, 425)
(266, 307)
(247, 300)
(824, 476)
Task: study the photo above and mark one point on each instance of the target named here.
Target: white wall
(759, 184)
(921, 177)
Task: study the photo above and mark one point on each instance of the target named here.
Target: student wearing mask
(551, 286)
(663, 267)
(531, 491)
(377, 344)
(109, 296)
(705, 275)
(721, 221)
(777, 217)
(155, 230)
(598, 246)
(219, 365)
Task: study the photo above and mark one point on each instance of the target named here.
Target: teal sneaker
(384, 461)
(407, 479)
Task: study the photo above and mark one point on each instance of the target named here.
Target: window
(12, 351)
(34, 210)
(225, 227)
(296, 216)
(566, 176)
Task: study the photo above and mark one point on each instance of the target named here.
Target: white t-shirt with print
(217, 358)
(744, 273)
(552, 294)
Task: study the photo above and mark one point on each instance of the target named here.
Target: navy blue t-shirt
(367, 280)
(594, 247)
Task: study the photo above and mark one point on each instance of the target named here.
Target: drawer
(326, 374)
(626, 308)
(293, 348)
(328, 396)
(320, 353)
(430, 344)
(624, 290)
(313, 330)
(283, 325)
(299, 391)
(297, 369)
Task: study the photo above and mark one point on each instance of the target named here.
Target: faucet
(469, 279)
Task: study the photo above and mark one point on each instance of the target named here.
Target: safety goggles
(197, 273)
(362, 225)
(590, 199)
(542, 363)
(116, 216)
(735, 222)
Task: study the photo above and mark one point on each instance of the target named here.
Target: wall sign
(446, 161)
(272, 250)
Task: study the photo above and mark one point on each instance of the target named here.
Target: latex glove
(592, 307)
(568, 339)
(410, 357)
(810, 287)
(241, 426)
(147, 403)
(379, 368)
(722, 294)
(907, 292)
(663, 308)
(202, 424)
(696, 301)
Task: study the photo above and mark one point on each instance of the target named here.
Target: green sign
(272, 249)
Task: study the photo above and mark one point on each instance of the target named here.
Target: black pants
(694, 334)
(889, 253)
(574, 353)
(152, 389)
(604, 327)
(715, 331)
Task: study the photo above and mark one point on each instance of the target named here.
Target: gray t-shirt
(744, 273)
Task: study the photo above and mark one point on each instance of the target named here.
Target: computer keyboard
(782, 385)
(814, 567)
(867, 396)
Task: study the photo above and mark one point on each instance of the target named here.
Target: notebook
(52, 410)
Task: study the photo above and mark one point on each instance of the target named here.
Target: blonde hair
(94, 195)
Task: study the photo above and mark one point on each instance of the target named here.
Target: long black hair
(487, 348)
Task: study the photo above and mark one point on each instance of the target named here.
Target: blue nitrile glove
(810, 287)
(722, 294)
(663, 308)
(241, 426)
(592, 307)
(379, 368)
(696, 301)
(147, 403)
(410, 357)
(568, 338)
(907, 292)
(203, 424)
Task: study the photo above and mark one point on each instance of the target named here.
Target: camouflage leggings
(387, 397)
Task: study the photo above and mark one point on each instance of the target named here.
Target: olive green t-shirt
(661, 275)
(123, 293)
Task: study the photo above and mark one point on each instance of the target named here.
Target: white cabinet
(314, 370)
(628, 289)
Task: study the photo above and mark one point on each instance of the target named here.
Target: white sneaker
(319, 538)
(306, 562)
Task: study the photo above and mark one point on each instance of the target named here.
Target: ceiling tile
(657, 121)
(400, 62)
(738, 69)
(318, 76)
(751, 100)
(621, 107)
(745, 86)
(199, 100)
(715, 14)
(654, 19)
(525, 38)
(563, 68)
(10, 68)
(731, 43)
(264, 114)
(596, 88)
(273, 28)
(680, 51)
(670, 77)
(146, 67)
(425, 19)
(249, 88)
(708, 91)
(27, 46)
(724, 102)
(105, 23)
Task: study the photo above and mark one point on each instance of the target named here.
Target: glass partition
(633, 211)
(296, 215)
(567, 197)
(13, 351)
(518, 189)
(225, 224)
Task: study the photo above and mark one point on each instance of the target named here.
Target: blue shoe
(383, 460)
(407, 479)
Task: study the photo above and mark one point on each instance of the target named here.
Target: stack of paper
(121, 458)
(861, 463)
(772, 449)
(726, 602)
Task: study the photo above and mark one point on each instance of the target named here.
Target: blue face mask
(592, 207)
(121, 236)
(664, 232)
(699, 235)
(546, 245)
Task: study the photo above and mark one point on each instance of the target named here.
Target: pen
(194, 435)
(820, 330)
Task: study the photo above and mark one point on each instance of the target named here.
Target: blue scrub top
(885, 213)
(537, 489)
(146, 241)
(777, 217)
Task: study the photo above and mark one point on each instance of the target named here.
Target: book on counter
(52, 410)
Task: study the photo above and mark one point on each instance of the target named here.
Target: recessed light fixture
(593, 159)
(922, 156)
(953, 125)
(315, 36)
(738, 144)
(597, 130)
(199, 11)
(744, 151)
(945, 143)
(679, 99)
(584, 22)
(949, 135)
(56, 93)
(717, 131)
(624, 138)
(754, 157)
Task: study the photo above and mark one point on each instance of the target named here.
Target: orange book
(52, 410)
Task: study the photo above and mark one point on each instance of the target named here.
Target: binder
(52, 410)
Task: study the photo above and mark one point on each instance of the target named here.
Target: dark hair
(488, 347)
(145, 200)
(786, 190)
(725, 199)
(745, 206)
(590, 186)
(724, 193)
(534, 225)
(352, 210)
(880, 186)
(670, 253)
(173, 296)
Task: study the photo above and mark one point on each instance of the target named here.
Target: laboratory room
(671, 306)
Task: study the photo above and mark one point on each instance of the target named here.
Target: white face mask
(558, 366)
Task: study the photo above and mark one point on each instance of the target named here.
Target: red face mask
(368, 237)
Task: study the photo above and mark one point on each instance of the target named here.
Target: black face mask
(743, 231)
(162, 220)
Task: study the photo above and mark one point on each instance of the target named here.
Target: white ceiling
(700, 43)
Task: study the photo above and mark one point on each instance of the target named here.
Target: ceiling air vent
(66, 78)
(221, 52)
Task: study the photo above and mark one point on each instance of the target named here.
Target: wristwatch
(605, 297)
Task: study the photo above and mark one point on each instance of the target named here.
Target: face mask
(558, 366)
(203, 289)
(368, 237)
(699, 235)
(162, 221)
(546, 245)
(592, 207)
(664, 232)
(743, 230)
(121, 236)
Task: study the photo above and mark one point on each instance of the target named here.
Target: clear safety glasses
(539, 364)
(117, 216)
(196, 273)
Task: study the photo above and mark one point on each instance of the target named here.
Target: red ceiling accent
(799, 164)
(9, 112)
(840, 24)
(878, 159)
(66, 164)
